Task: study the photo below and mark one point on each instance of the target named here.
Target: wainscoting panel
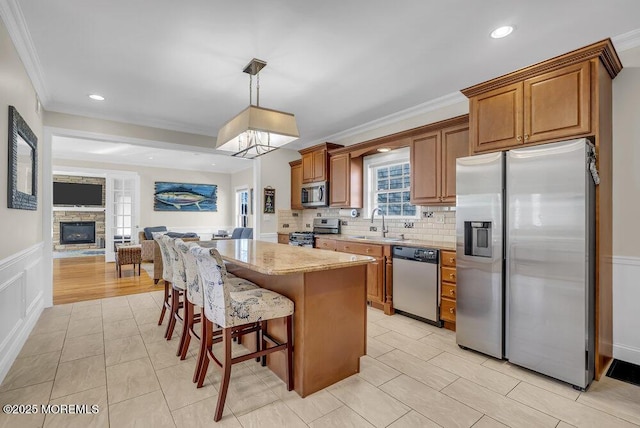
(626, 315)
(21, 301)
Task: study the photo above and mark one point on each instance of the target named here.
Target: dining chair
(238, 313)
(178, 284)
(167, 274)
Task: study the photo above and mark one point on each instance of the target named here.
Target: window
(388, 183)
(242, 208)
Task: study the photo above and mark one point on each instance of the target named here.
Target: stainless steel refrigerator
(525, 225)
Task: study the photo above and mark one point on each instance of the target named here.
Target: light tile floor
(111, 353)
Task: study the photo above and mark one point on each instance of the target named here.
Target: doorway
(242, 207)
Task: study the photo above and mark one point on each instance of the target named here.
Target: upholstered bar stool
(195, 297)
(178, 285)
(167, 274)
(238, 313)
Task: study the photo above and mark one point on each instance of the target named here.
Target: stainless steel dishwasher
(415, 283)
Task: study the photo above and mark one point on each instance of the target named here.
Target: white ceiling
(133, 154)
(336, 64)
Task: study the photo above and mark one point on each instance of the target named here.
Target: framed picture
(185, 197)
(269, 200)
(23, 164)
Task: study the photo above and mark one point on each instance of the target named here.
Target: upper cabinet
(315, 162)
(345, 184)
(433, 162)
(296, 184)
(548, 107)
(550, 101)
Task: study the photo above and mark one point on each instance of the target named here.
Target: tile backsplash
(435, 224)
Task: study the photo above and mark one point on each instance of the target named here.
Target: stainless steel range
(321, 226)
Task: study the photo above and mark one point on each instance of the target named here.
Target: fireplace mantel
(93, 209)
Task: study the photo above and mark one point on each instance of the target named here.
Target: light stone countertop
(277, 259)
(449, 246)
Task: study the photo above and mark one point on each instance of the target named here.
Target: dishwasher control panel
(428, 255)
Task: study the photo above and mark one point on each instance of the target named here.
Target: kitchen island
(329, 292)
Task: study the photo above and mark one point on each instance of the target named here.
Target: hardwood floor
(87, 278)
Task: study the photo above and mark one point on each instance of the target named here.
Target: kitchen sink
(375, 238)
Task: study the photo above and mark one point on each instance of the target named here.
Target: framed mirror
(23, 164)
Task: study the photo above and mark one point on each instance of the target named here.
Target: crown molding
(17, 27)
(429, 106)
(627, 41)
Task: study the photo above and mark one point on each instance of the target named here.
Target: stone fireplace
(79, 215)
(78, 232)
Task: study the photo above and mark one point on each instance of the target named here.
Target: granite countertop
(277, 259)
(450, 246)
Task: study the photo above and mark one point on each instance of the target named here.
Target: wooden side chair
(238, 313)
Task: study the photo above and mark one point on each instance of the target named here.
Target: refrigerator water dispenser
(477, 239)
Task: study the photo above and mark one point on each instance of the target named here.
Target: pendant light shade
(256, 130)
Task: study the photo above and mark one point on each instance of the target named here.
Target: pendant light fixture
(256, 131)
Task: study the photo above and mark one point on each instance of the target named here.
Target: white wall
(199, 222)
(273, 170)
(21, 261)
(626, 214)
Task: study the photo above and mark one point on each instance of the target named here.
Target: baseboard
(21, 301)
(269, 237)
(626, 318)
(627, 353)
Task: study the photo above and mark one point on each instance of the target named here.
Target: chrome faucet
(384, 229)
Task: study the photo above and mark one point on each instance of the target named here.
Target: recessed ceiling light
(150, 157)
(501, 32)
(213, 164)
(384, 149)
(96, 97)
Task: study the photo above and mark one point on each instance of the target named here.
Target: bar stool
(238, 313)
(195, 297)
(178, 284)
(167, 274)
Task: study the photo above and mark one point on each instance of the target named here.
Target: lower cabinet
(448, 289)
(283, 238)
(378, 273)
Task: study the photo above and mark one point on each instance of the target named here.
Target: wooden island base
(329, 323)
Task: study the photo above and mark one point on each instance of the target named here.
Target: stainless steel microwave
(315, 194)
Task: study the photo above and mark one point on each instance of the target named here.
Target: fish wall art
(185, 197)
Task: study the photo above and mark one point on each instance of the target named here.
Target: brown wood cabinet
(433, 164)
(345, 183)
(296, 184)
(379, 273)
(315, 162)
(547, 107)
(375, 271)
(569, 96)
(448, 289)
(326, 244)
(283, 238)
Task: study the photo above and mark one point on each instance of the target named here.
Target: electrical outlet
(285, 225)
(295, 214)
(408, 225)
(344, 223)
(308, 225)
(427, 214)
(318, 214)
(439, 218)
(373, 229)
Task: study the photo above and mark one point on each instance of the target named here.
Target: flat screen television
(77, 194)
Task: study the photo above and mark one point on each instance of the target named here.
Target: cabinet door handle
(452, 275)
(519, 138)
(452, 292)
(368, 250)
(451, 310)
(452, 259)
(526, 137)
